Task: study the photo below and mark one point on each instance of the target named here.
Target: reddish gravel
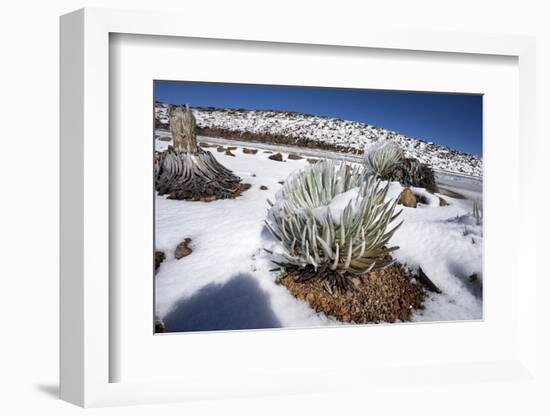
(387, 295)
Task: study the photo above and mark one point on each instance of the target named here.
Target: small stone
(250, 151)
(203, 144)
(421, 199)
(159, 258)
(277, 157)
(263, 188)
(228, 153)
(220, 149)
(281, 182)
(165, 138)
(244, 187)
(294, 156)
(407, 198)
(312, 161)
(183, 249)
(442, 202)
(159, 326)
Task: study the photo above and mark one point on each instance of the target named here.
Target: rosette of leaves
(382, 158)
(387, 161)
(185, 171)
(318, 243)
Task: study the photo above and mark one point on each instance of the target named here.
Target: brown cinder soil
(386, 295)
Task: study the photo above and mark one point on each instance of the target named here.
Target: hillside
(306, 130)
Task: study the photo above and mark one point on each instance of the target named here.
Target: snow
(337, 205)
(433, 238)
(229, 271)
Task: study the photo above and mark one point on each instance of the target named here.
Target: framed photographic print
(358, 216)
(238, 210)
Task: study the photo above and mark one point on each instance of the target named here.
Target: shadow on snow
(474, 286)
(238, 304)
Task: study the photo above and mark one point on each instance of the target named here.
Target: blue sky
(453, 120)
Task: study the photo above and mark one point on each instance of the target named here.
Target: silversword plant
(387, 161)
(185, 171)
(382, 157)
(332, 222)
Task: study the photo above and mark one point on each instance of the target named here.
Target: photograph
(291, 208)
(280, 206)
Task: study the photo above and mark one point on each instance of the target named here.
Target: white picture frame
(85, 220)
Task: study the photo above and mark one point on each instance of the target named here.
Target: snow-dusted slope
(324, 132)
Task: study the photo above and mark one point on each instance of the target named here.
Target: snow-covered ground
(226, 282)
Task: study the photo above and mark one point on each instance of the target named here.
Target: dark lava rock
(250, 151)
(421, 199)
(183, 249)
(294, 156)
(244, 187)
(277, 157)
(159, 258)
(159, 326)
(228, 153)
(263, 188)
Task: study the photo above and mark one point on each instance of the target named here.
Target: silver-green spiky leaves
(381, 158)
(332, 216)
(477, 212)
